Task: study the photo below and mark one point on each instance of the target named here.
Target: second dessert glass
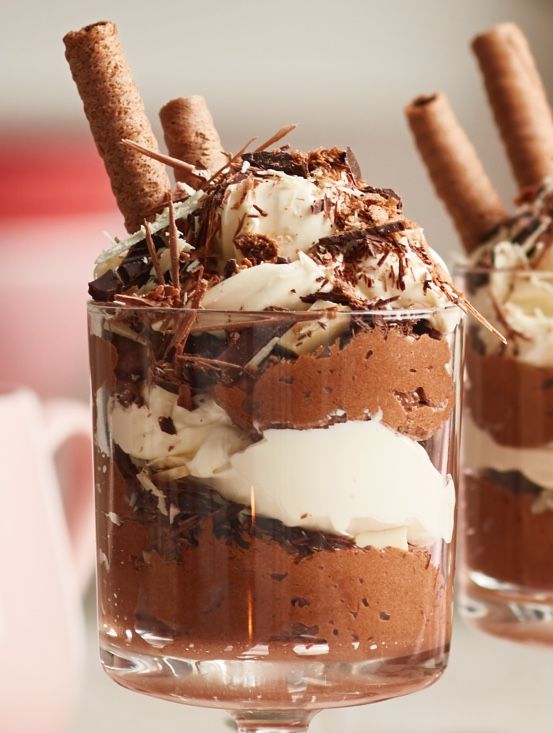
(275, 525)
(507, 479)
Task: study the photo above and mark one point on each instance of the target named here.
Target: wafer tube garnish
(115, 112)
(519, 101)
(455, 169)
(190, 135)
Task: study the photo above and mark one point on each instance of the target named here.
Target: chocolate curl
(519, 101)
(191, 136)
(115, 112)
(455, 169)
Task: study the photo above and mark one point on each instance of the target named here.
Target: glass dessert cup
(229, 470)
(507, 468)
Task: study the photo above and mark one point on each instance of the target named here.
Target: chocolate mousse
(508, 436)
(273, 365)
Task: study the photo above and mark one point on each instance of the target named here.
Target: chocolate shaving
(174, 245)
(275, 138)
(167, 159)
(232, 159)
(153, 254)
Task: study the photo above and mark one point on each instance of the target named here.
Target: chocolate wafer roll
(455, 169)
(519, 101)
(115, 111)
(190, 135)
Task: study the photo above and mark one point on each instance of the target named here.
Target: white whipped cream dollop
(269, 285)
(279, 206)
(355, 479)
(524, 301)
(482, 452)
(202, 441)
(377, 278)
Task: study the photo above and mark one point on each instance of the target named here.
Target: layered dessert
(508, 274)
(273, 362)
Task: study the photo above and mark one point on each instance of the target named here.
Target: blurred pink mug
(45, 558)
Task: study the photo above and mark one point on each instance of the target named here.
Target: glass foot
(256, 685)
(507, 611)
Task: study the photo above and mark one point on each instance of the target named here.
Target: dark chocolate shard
(167, 425)
(353, 164)
(514, 481)
(105, 287)
(293, 164)
(386, 193)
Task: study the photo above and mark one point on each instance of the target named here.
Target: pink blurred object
(55, 201)
(43, 560)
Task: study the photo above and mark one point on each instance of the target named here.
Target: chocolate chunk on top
(294, 164)
(105, 287)
(257, 248)
(353, 164)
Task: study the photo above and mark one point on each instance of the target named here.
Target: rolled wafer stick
(115, 112)
(519, 101)
(191, 136)
(455, 169)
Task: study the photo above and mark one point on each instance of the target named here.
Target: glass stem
(277, 721)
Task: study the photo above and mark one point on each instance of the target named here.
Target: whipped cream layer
(482, 452)
(264, 222)
(269, 285)
(523, 301)
(355, 479)
(200, 440)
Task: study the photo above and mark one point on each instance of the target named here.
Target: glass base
(507, 611)
(257, 684)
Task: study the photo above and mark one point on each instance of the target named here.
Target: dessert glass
(215, 601)
(507, 470)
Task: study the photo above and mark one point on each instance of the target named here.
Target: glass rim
(391, 314)
(462, 268)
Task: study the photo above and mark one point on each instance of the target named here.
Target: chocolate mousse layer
(396, 371)
(211, 580)
(509, 529)
(509, 519)
(510, 400)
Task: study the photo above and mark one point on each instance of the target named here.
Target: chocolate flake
(167, 425)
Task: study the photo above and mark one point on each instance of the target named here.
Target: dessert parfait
(508, 425)
(274, 354)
